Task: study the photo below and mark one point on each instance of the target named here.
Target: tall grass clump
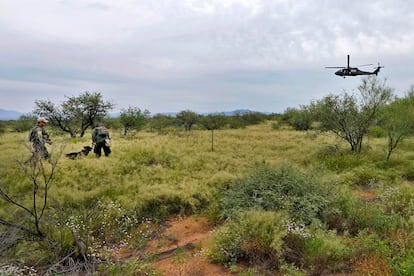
(337, 159)
(325, 250)
(253, 236)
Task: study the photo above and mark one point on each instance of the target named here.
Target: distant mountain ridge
(9, 114)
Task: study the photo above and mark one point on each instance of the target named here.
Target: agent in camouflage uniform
(101, 140)
(39, 137)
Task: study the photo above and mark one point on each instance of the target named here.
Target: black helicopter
(354, 71)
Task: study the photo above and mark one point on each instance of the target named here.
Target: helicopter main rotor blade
(335, 67)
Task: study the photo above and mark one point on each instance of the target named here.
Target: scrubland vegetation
(282, 200)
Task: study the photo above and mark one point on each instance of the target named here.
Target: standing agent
(39, 137)
(101, 140)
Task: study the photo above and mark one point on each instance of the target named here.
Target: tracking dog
(84, 152)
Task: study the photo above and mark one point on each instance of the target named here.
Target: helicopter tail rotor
(378, 69)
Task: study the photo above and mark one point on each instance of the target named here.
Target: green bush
(373, 218)
(255, 236)
(270, 189)
(336, 159)
(275, 125)
(368, 243)
(325, 250)
(364, 176)
(399, 200)
(377, 132)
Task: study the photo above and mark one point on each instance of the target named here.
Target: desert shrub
(255, 236)
(399, 200)
(337, 215)
(373, 218)
(362, 217)
(377, 132)
(315, 248)
(372, 264)
(76, 243)
(270, 189)
(275, 125)
(325, 250)
(89, 235)
(364, 176)
(348, 214)
(372, 254)
(369, 243)
(294, 243)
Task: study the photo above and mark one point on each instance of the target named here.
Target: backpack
(103, 131)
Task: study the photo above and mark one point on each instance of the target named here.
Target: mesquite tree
(133, 118)
(212, 122)
(350, 116)
(76, 114)
(397, 119)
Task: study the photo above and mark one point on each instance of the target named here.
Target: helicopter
(354, 71)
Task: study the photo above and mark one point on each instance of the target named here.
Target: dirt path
(180, 248)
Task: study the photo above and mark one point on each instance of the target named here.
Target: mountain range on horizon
(10, 114)
(14, 115)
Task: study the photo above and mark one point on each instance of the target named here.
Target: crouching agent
(39, 138)
(101, 140)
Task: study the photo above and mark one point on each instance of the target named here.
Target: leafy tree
(187, 118)
(397, 119)
(212, 122)
(133, 118)
(299, 119)
(160, 121)
(236, 121)
(349, 116)
(24, 123)
(253, 118)
(75, 114)
(241, 119)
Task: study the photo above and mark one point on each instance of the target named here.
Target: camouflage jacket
(38, 135)
(99, 134)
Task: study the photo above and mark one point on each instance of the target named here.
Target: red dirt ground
(180, 248)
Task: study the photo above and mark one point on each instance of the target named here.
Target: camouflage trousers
(40, 151)
(98, 149)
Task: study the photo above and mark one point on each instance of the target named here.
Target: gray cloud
(167, 55)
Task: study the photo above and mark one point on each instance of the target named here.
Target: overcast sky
(205, 56)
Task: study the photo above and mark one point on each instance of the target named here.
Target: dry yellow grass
(149, 165)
